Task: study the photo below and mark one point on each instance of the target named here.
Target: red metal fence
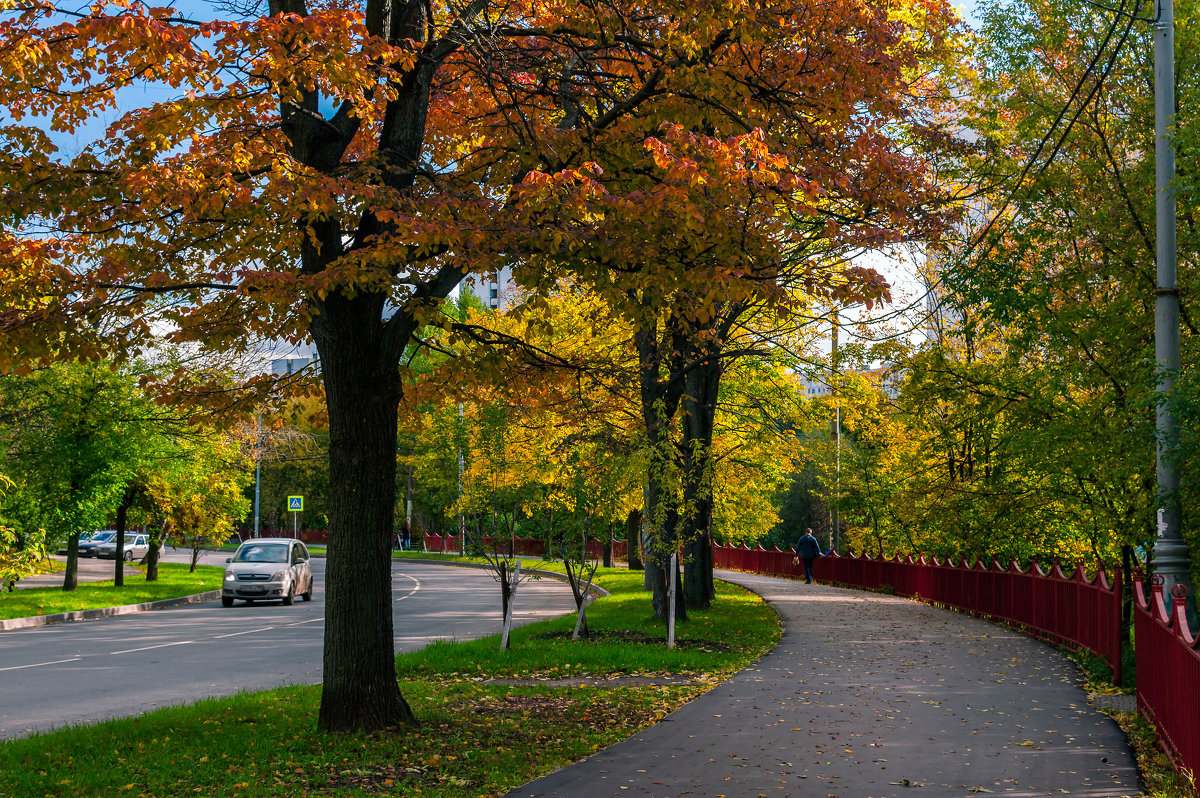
(1168, 666)
(320, 536)
(526, 547)
(1073, 609)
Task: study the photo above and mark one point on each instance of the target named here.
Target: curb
(105, 612)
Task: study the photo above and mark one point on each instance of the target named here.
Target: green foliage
(174, 580)
(74, 436)
(19, 555)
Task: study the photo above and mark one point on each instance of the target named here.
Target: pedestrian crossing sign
(295, 504)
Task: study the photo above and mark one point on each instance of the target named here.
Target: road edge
(596, 589)
(105, 612)
(31, 621)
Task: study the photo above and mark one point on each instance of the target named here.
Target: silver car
(271, 568)
(136, 546)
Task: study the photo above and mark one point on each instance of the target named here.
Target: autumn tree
(333, 170)
(1035, 403)
(197, 495)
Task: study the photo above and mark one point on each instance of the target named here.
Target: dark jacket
(807, 547)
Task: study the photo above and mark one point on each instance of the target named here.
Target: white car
(268, 568)
(136, 546)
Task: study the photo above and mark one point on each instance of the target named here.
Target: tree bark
(661, 389)
(71, 575)
(151, 560)
(363, 391)
(633, 540)
(122, 518)
(699, 417)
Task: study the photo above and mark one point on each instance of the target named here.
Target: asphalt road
(70, 673)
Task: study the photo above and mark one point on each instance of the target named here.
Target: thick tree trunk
(633, 540)
(661, 386)
(151, 560)
(362, 391)
(71, 575)
(699, 417)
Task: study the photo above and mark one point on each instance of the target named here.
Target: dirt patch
(538, 706)
(601, 681)
(637, 638)
(382, 779)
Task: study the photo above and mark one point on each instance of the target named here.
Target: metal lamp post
(1171, 558)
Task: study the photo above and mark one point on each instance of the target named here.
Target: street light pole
(835, 536)
(257, 465)
(1171, 558)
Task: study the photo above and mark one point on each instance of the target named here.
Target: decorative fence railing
(1168, 668)
(1070, 609)
(525, 547)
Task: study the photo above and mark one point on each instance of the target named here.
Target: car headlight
(229, 576)
(277, 576)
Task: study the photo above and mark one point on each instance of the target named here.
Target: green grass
(475, 739)
(716, 641)
(173, 581)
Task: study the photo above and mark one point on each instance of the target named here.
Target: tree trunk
(362, 390)
(608, 547)
(633, 540)
(151, 560)
(660, 396)
(71, 575)
(575, 578)
(122, 518)
(699, 417)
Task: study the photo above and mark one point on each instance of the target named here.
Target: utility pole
(257, 466)
(1171, 558)
(462, 524)
(836, 433)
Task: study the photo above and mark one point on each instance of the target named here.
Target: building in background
(496, 289)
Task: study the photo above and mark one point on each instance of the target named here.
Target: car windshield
(102, 537)
(262, 553)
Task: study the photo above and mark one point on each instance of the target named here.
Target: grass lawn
(173, 581)
(476, 739)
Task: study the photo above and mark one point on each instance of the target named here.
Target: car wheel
(307, 594)
(226, 601)
(290, 598)
(129, 556)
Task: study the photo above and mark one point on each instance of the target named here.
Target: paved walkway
(868, 696)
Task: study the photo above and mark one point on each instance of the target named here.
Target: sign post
(295, 507)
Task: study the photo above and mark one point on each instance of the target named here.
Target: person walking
(807, 550)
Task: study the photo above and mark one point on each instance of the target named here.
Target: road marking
(40, 664)
(414, 590)
(310, 620)
(147, 648)
(247, 632)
